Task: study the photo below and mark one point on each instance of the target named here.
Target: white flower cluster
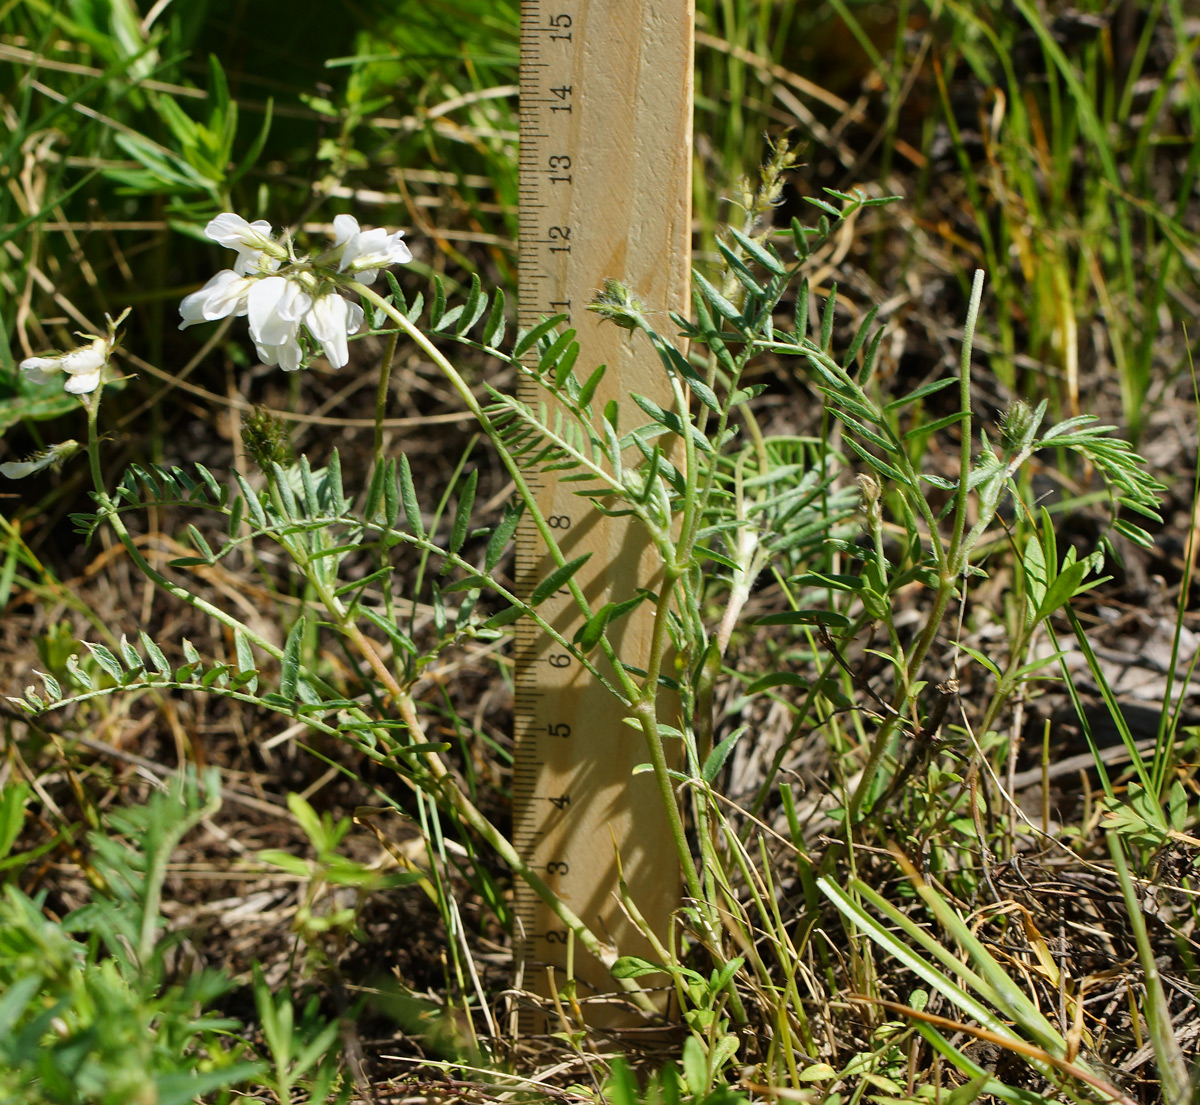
(83, 367)
(281, 294)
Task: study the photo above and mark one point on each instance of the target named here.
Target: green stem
(954, 564)
(381, 394)
(645, 709)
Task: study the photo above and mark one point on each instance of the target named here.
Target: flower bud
(616, 303)
(53, 458)
(265, 439)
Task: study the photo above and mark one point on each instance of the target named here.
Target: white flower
(365, 252)
(225, 294)
(256, 249)
(329, 320)
(275, 305)
(83, 366)
(47, 458)
(287, 352)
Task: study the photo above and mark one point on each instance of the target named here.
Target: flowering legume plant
(839, 524)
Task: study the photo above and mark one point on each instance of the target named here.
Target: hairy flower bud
(265, 438)
(54, 458)
(616, 303)
(871, 493)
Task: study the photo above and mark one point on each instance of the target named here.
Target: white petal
(233, 231)
(275, 307)
(377, 249)
(19, 469)
(268, 354)
(345, 227)
(86, 361)
(336, 351)
(367, 245)
(255, 262)
(81, 384)
(40, 370)
(326, 321)
(293, 303)
(266, 326)
(401, 254)
(228, 299)
(224, 294)
(326, 318)
(372, 241)
(351, 244)
(191, 309)
(248, 261)
(288, 355)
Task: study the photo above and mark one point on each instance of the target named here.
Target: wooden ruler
(605, 192)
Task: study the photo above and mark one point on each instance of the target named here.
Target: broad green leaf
(155, 653)
(462, 513)
(718, 756)
(882, 467)
(557, 579)
(502, 534)
(289, 674)
(106, 660)
(589, 387)
(493, 331)
(922, 392)
(923, 429)
(245, 661)
(805, 617)
(765, 255)
(476, 303)
(527, 340)
(719, 303)
(408, 496)
(12, 814)
(1065, 585)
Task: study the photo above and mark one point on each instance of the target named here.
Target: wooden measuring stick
(605, 192)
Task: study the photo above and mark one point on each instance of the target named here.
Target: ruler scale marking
(604, 187)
